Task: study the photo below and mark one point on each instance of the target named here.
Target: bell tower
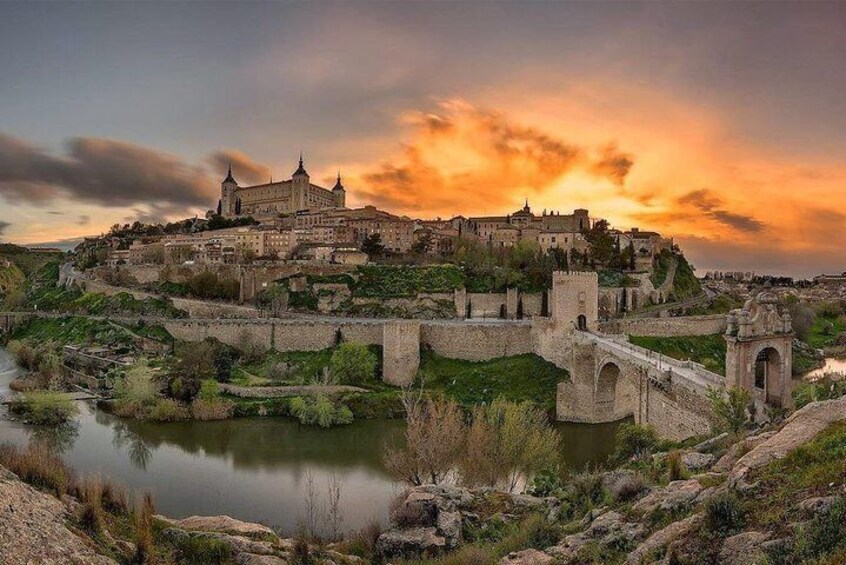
(228, 194)
(339, 194)
(300, 185)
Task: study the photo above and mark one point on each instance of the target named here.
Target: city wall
(667, 327)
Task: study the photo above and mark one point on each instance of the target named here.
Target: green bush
(723, 514)
(353, 364)
(45, 408)
(634, 441)
(320, 411)
(202, 549)
(166, 410)
(825, 533)
(730, 407)
(823, 389)
(137, 386)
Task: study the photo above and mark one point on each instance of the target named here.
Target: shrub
(826, 388)
(36, 465)
(166, 410)
(321, 411)
(45, 408)
(91, 515)
(730, 408)
(587, 488)
(822, 534)
(209, 390)
(634, 441)
(361, 543)
(144, 544)
(202, 549)
(137, 387)
(723, 514)
(627, 488)
(353, 363)
(675, 467)
(211, 409)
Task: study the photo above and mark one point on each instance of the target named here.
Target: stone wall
(401, 351)
(667, 327)
(676, 414)
(195, 308)
(477, 342)
(486, 304)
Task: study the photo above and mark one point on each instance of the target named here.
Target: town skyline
(633, 111)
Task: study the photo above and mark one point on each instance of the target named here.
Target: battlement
(587, 276)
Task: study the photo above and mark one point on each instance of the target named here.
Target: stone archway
(605, 393)
(768, 375)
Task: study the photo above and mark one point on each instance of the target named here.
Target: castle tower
(300, 185)
(228, 194)
(339, 194)
(575, 299)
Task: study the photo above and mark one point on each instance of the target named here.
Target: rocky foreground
(734, 505)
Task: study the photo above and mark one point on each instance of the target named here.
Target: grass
(516, 378)
(73, 330)
(825, 330)
(807, 471)
(709, 350)
(303, 366)
(45, 408)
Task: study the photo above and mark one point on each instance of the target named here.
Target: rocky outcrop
(608, 529)
(527, 557)
(33, 530)
(675, 496)
(743, 549)
(663, 538)
(802, 426)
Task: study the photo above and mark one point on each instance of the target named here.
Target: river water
(254, 469)
(832, 365)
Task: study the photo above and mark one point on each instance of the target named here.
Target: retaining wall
(667, 327)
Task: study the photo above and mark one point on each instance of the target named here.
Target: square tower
(575, 299)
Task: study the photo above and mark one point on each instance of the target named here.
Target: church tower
(300, 185)
(339, 194)
(228, 194)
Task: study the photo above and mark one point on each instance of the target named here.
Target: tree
(601, 242)
(352, 363)
(373, 246)
(423, 245)
(434, 440)
(507, 442)
(630, 251)
(634, 441)
(219, 207)
(730, 407)
(137, 387)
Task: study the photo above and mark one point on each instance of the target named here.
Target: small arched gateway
(581, 323)
(605, 392)
(759, 353)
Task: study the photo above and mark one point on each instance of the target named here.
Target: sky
(720, 124)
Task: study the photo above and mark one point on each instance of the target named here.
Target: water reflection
(137, 448)
(832, 365)
(59, 439)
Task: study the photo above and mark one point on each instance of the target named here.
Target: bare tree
(434, 438)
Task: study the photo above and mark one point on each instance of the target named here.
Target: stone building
(282, 197)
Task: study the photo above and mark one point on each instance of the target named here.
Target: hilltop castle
(283, 197)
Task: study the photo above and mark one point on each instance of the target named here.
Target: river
(254, 469)
(832, 365)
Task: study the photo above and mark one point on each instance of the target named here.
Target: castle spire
(338, 185)
(301, 169)
(229, 177)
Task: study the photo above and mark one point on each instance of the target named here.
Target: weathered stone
(801, 427)
(449, 526)
(250, 559)
(709, 444)
(743, 549)
(676, 495)
(527, 557)
(410, 542)
(663, 537)
(695, 461)
(223, 524)
(32, 528)
(817, 505)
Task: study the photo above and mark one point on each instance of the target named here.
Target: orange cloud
(463, 159)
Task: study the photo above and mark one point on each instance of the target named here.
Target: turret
(228, 191)
(339, 194)
(300, 186)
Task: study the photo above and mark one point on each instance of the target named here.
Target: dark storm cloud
(708, 204)
(3, 226)
(101, 171)
(244, 169)
(614, 164)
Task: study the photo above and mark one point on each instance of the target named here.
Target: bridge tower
(575, 299)
(759, 353)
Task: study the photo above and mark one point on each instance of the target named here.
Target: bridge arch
(605, 387)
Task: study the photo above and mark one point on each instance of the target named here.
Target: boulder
(527, 557)
(801, 427)
(710, 444)
(695, 461)
(610, 528)
(743, 549)
(663, 538)
(410, 543)
(817, 505)
(676, 495)
(449, 526)
(223, 524)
